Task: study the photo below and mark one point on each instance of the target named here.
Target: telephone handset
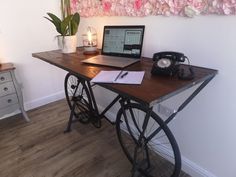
(167, 63)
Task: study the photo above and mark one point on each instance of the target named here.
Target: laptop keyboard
(114, 61)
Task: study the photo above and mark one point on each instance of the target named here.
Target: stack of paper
(119, 77)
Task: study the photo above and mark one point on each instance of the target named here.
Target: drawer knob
(9, 100)
(5, 89)
(2, 78)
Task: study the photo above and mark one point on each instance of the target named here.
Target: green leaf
(54, 17)
(65, 25)
(76, 18)
(74, 27)
(56, 21)
(75, 23)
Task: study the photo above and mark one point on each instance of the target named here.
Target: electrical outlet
(164, 110)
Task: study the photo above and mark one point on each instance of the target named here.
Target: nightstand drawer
(8, 100)
(9, 109)
(7, 88)
(5, 77)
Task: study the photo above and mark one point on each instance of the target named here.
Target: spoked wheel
(77, 92)
(147, 142)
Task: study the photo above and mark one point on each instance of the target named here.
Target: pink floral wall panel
(188, 8)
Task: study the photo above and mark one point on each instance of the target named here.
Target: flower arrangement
(69, 24)
(189, 8)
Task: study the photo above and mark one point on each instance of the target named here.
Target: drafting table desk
(141, 131)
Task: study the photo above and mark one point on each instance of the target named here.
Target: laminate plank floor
(41, 149)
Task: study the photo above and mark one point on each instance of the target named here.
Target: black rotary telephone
(167, 63)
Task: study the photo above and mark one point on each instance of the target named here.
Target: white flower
(191, 11)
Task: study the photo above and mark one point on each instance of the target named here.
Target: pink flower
(74, 6)
(179, 4)
(107, 6)
(137, 4)
(200, 5)
(73, 2)
(229, 6)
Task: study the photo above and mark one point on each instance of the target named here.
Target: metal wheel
(147, 142)
(77, 92)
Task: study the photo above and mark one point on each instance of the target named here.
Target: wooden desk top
(153, 89)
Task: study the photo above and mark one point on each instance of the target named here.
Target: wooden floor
(41, 149)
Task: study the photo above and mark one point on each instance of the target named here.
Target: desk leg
(96, 119)
(135, 124)
(185, 103)
(82, 102)
(78, 98)
(68, 129)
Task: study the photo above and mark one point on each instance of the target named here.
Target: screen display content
(123, 40)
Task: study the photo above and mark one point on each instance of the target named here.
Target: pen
(123, 75)
(118, 75)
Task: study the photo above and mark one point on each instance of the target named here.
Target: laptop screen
(124, 41)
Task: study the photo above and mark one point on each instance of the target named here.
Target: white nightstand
(11, 97)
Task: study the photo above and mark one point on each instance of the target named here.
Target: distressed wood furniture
(10, 93)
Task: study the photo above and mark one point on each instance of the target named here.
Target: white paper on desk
(133, 77)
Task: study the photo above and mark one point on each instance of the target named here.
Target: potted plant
(67, 27)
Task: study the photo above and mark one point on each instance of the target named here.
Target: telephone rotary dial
(167, 63)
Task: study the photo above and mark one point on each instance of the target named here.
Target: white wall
(23, 30)
(205, 129)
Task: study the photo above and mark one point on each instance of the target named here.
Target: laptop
(121, 46)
